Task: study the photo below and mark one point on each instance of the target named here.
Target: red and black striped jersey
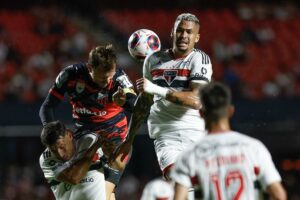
(91, 104)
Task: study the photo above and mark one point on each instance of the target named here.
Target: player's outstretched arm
(140, 111)
(77, 169)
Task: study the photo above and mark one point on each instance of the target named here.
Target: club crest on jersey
(170, 76)
(80, 87)
(101, 96)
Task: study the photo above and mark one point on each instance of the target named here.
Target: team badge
(170, 76)
(101, 96)
(80, 87)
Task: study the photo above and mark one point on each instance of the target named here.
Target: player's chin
(182, 49)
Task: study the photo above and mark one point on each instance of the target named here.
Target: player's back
(229, 166)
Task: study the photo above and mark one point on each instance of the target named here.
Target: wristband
(152, 88)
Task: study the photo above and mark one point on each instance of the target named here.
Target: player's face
(102, 77)
(185, 35)
(64, 147)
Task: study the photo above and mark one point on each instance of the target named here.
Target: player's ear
(201, 112)
(172, 33)
(231, 110)
(69, 133)
(197, 38)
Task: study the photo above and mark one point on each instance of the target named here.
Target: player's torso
(175, 74)
(226, 168)
(90, 103)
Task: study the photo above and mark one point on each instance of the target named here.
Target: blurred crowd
(34, 46)
(254, 48)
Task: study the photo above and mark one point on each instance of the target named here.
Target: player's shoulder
(202, 56)
(158, 184)
(247, 139)
(45, 156)
(77, 68)
(158, 55)
(157, 181)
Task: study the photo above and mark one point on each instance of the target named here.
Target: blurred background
(254, 47)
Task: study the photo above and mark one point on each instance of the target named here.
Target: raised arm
(140, 112)
(76, 169)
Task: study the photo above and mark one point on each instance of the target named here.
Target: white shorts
(169, 146)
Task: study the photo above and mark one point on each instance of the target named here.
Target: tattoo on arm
(140, 111)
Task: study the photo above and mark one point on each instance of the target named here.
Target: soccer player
(225, 164)
(98, 92)
(84, 181)
(170, 86)
(158, 189)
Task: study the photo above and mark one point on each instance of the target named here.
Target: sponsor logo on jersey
(80, 87)
(87, 111)
(170, 75)
(87, 180)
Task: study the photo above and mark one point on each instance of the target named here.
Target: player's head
(185, 33)
(102, 61)
(216, 103)
(58, 139)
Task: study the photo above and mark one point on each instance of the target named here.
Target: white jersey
(164, 70)
(158, 189)
(228, 165)
(91, 187)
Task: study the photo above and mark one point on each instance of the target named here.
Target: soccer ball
(142, 43)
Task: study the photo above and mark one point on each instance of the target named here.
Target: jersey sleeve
(49, 166)
(183, 169)
(59, 87)
(268, 172)
(201, 70)
(123, 80)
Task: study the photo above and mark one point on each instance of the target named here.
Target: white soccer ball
(142, 43)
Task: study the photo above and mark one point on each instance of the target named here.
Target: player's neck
(179, 54)
(219, 127)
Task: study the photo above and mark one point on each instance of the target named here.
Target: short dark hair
(52, 131)
(103, 56)
(215, 98)
(188, 17)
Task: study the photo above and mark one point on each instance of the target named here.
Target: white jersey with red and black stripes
(164, 70)
(90, 187)
(226, 165)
